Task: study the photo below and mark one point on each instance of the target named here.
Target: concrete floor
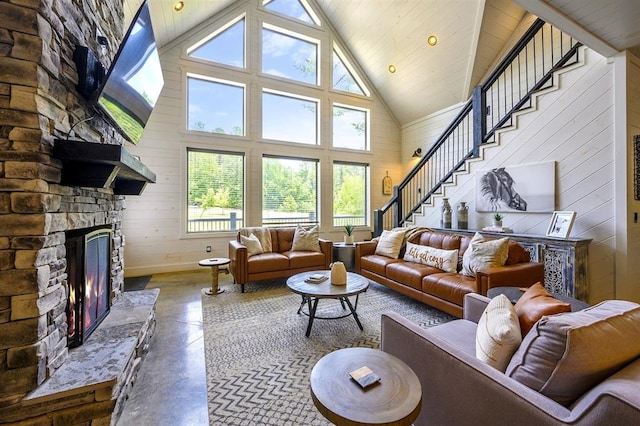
(171, 385)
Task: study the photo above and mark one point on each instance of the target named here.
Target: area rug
(258, 359)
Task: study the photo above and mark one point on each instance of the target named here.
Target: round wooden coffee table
(396, 400)
(311, 293)
(215, 264)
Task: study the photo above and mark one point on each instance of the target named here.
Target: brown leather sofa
(281, 262)
(445, 290)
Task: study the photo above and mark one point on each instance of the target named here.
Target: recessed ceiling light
(432, 40)
(178, 6)
(392, 68)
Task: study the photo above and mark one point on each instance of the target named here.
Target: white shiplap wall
(153, 222)
(573, 126)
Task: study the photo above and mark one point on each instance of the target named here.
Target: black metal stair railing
(528, 68)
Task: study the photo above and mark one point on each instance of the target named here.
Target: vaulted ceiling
(471, 33)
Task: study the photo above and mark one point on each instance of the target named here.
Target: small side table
(215, 264)
(345, 253)
(395, 401)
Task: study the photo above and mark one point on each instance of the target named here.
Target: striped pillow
(498, 334)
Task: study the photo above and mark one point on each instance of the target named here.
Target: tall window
(350, 127)
(215, 106)
(350, 183)
(289, 118)
(289, 191)
(225, 46)
(289, 55)
(215, 191)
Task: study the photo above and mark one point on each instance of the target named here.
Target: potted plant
(497, 220)
(348, 230)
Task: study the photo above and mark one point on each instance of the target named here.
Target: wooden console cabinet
(565, 260)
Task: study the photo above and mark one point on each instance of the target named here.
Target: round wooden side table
(396, 400)
(215, 264)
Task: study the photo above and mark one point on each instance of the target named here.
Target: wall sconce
(417, 153)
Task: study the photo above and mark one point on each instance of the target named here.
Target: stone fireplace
(41, 211)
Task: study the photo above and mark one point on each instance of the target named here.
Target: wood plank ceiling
(472, 34)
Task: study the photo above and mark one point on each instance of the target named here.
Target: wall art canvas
(528, 188)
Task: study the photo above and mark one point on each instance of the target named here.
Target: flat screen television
(133, 83)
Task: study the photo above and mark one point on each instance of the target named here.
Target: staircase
(529, 69)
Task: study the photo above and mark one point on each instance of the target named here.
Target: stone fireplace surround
(39, 103)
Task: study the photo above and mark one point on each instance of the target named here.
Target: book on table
(316, 278)
(364, 377)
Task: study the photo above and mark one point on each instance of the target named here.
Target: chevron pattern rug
(258, 359)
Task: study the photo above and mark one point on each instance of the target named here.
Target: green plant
(348, 229)
(498, 217)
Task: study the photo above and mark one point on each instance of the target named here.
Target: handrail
(492, 106)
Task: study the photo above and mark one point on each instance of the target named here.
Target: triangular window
(296, 9)
(344, 76)
(225, 46)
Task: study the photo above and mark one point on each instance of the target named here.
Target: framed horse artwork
(527, 188)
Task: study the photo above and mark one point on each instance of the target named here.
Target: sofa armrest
(326, 247)
(238, 266)
(457, 388)
(473, 306)
(363, 248)
(516, 275)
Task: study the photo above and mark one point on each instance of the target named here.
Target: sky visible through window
(227, 47)
(215, 107)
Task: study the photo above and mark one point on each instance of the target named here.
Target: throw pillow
(306, 239)
(484, 253)
(252, 243)
(263, 235)
(498, 333)
(536, 302)
(447, 260)
(390, 243)
(566, 355)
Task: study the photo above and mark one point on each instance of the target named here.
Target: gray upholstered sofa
(458, 389)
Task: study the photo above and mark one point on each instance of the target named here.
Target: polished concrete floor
(171, 385)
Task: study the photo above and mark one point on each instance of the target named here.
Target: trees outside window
(350, 183)
(289, 191)
(215, 191)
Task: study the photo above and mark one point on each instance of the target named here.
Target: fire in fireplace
(89, 275)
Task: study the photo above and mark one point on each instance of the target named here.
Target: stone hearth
(93, 382)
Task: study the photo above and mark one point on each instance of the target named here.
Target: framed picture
(526, 188)
(561, 223)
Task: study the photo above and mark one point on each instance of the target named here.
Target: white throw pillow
(306, 240)
(498, 334)
(484, 253)
(390, 243)
(447, 260)
(252, 243)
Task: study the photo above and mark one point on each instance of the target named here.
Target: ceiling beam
(553, 16)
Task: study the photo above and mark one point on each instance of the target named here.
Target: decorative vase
(445, 219)
(497, 223)
(338, 273)
(463, 215)
(348, 239)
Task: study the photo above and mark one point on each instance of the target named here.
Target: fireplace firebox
(89, 276)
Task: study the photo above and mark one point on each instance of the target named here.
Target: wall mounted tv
(130, 90)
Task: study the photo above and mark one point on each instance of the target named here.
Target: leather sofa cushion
(267, 262)
(438, 240)
(517, 254)
(376, 263)
(449, 286)
(409, 273)
(305, 259)
(284, 237)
